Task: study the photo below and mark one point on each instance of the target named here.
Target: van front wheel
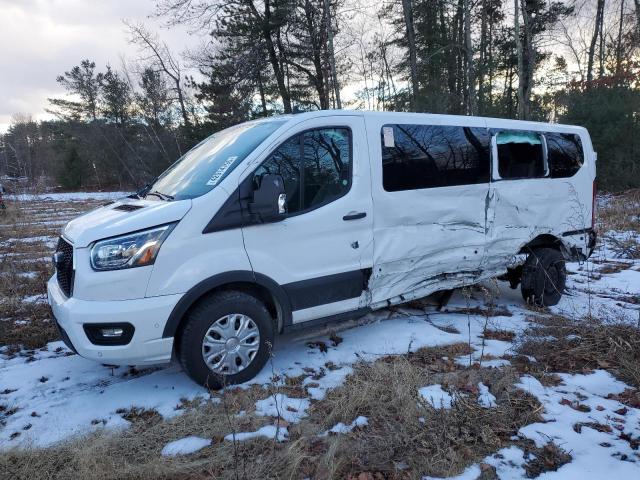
(543, 277)
(227, 339)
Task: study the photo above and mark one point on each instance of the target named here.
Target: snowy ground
(49, 395)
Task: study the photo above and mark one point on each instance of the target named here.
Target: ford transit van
(286, 221)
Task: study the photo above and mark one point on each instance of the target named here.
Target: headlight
(133, 250)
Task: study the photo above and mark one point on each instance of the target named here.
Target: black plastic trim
(65, 337)
(577, 232)
(340, 317)
(91, 330)
(236, 276)
(326, 289)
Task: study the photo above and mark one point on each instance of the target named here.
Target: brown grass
(405, 437)
(620, 212)
(25, 268)
(560, 344)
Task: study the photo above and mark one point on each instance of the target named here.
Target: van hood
(121, 217)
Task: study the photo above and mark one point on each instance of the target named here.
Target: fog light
(109, 333)
(112, 332)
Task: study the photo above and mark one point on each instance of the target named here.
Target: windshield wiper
(160, 195)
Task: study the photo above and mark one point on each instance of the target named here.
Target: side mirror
(269, 199)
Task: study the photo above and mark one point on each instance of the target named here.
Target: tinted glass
(315, 166)
(565, 155)
(285, 161)
(520, 155)
(428, 156)
(327, 165)
(208, 163)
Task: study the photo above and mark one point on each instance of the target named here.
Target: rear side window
(565, 154)
(428, 156)
(315, 166)
(520, 155)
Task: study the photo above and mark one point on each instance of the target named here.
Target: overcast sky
(41, 39)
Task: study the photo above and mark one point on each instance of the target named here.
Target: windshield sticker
(387, 133)
(221, 171)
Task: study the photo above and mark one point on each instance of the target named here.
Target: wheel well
(544, 240)
(258, 291)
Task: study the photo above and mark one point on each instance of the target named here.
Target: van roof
(453, 119)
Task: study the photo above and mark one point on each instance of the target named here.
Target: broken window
(428, 156)
(565, 154)
(520, 155)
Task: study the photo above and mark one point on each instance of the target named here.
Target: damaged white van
(287, 221)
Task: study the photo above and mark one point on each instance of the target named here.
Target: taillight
(593, 206)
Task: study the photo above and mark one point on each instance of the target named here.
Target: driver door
(321, 253)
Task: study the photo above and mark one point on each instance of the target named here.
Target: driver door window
(315, 166)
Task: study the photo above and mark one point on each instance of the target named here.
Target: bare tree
(597, 32)
(521, 80)
(160, 55)
(470, 73)
(407, 11)
(331, 52)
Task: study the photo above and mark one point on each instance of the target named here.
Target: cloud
(41, 39)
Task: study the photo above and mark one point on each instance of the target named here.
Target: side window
(520, 155)
(427, 156)
(315, 166)
(327, 165)
(565, 154)
(285, 161)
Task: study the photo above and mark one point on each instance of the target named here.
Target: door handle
(354, 216)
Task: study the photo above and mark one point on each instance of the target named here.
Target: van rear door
(321, 253)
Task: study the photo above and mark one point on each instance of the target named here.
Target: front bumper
(147, 315)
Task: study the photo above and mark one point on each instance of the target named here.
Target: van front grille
(64, 267)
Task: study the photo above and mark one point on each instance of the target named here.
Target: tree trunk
(483, 58)
(183, 108)
(267, 29)
(521, 75)
(263, 99)
(594, 39)
(619, 42)
(529, 59)
(638, 14)
(470, 74)
(332, 54)
(411, 40)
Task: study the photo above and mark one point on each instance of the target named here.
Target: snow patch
(268, 431)
(436, 396)
(185, 446)
(485, 398)
(343, 428)
(280, 405)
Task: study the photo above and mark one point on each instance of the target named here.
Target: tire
(203, 319)
(544, 277)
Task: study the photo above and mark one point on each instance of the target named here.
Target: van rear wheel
(227, 339)
(543, 277)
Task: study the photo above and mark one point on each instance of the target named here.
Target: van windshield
(204, 166)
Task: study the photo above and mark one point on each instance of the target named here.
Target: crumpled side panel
(424, 237)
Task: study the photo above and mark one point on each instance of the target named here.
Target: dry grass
(621, 213)
(560, 344)
(25, 267)
(405, 437)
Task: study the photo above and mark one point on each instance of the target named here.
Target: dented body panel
(433, 239)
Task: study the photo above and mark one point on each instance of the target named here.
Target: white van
(288, 221)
